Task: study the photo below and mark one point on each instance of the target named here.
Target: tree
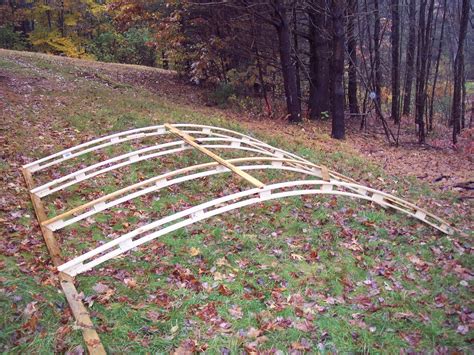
(410, 57)
(438, 60)
(395, 41)
(287, 67)
(337, 69)
(422, 64)
(377, 67)
(456, 110)
(352, 54)
(320, 53)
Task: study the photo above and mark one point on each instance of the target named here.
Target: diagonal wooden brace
(192, 142)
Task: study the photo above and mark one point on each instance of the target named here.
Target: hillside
(325, 273)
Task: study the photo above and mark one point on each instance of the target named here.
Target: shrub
(9, 39)
(132, 47)
(105, 46)
(222, 93)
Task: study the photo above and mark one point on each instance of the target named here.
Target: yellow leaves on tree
(55, 44)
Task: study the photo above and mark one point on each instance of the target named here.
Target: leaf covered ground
(295, 275)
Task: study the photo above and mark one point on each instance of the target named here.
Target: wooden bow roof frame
(322, 181)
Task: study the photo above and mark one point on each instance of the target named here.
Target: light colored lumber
(159, 183)
(168, 175)
(79, 311)
(325, 173)
(189, 216)
(192, 141)
(131, 158)
(394, 201)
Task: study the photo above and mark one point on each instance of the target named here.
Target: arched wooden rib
(151, 131)
(139, 133)
(137, 156)
(209, 209)
(84, 148)
(156, 183)
(159, 182)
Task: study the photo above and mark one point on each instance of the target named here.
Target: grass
(469, 87)
(326, 274)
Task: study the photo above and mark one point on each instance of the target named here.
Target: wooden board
(79, 311)
(191, 141)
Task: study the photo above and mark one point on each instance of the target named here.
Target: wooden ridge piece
(79, 311)
(192, 141)
(325, 173)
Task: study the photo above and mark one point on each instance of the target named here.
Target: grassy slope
(333, 274)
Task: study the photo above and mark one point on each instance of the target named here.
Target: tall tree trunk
(430, 35)
(288, 70)
(410, 58)
(458, 71)
(422, 58)
(438, 59)
(337, 69)
(261, 75)
(48, 14)
(463, 96)
(319, 59)
(377, 68)
(296, 49)
(395, 41)
(352, 51)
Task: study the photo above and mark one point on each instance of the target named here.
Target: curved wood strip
(197, 213)
(123, 161)
(125, 136)
(159, 182)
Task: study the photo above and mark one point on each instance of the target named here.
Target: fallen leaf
(194, 251)
(78, 350)
(297, 257)
(130, 282)
(224, 290)
(100, 288)
(253, 333)
(236, 312)
(29, 310)
(462, 329)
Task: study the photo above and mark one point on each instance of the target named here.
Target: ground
(294, 275)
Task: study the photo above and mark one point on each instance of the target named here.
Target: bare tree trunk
(410, 58)
(377, 68)
(48, 14)
(422, 58)
(463, 98)
(296, 49)
(61, 18)
(319, 63)
(438, 59)
(352, 50)
(319, 59)
(456, 111)
(337, 69)
(395, 41)
(261, 75)
(288, 70)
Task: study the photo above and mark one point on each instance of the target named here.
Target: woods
(355, 60)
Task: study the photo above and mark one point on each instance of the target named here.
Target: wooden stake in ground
(79, 311)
